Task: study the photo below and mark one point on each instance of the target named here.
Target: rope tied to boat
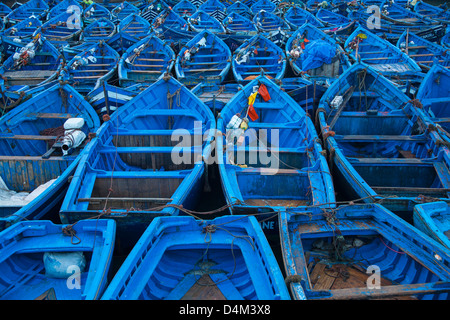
(328, 133)
(69, 231)
(293, 278)
(426, 199)
(106, 117)
(416, 103)
(212, 228)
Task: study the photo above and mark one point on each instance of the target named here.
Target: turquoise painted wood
(31, 157)
(134, 154)
(38, 8)
(434, 95)
(255, 56)
(88, 69)
(99, 30)
(30, 250)
(379, 54)
(277, 163)
(379, 255)
(424, 52)
(145, 62)
(173, 259)
(380, 147)
(205, 58)
(434, 220)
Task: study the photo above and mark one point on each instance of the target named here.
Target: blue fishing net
(316, 53)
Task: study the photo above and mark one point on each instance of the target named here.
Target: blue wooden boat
(235, 263)
(95, 11)
(121, 41)
(391, 29)
(399, 15)
(73, 6)
(37, 8)
(209, 6)
(88, 69)
(123, 10)
(434, 95)
(36, 63)
(282, 166)
(235, 23)
(215, 96)
(360, 252)
(38, 260)
(337, 22)
(16, 37)
(36, 129)
(215, 8)
(255, 56)
(296, 17)
(314, 5)
(433, 219)
(135, 26)
(241, 8)
(200, 20)
(265, 5)
(380, 147)
(108, 98)
(149, 179)
(4, 10)
(154, 9)
(424, 52)
(70, 52)
(59, 31)
(267, 22)
(362, 45)
(108, 5)
(432, 12)
(168, 21)
(140, 4)
(22, 93)
(314, 54)
(184, 8)
(145, 62)
(205, 58)
(100, 30)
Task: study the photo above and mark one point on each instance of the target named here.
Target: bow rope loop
(68, 231)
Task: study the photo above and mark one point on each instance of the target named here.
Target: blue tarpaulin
(317, 53)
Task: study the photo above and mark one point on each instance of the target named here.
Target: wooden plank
(201, 70)
(443, 173)
(392, 161)
(29, 158)
(144, 71)
(204, 289)
(28, 137)
(378, 138)
(148, 65)
(379, 58)
(48, 115)
(88, 77)
(149, 59)
(47, 295)
(422, 55)
(325, 278)
(99, 199)
(390, 291)
(394, 190)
